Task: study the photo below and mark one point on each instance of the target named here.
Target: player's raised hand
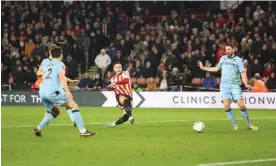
(112, 85)
(75, 81)
(199, 64)
(248, 86)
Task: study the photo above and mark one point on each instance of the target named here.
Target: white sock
(82, 131)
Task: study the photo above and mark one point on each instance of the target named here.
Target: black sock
(54, 115)
(127, 107)
(122, 119)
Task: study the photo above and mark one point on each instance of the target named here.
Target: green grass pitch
(160, 137)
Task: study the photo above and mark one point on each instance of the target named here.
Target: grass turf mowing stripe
(239, 162)
(139, 122)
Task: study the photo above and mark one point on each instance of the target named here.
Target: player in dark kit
(121, 84)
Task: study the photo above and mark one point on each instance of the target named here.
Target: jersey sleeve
(42, 63)
(61, 67)
(219, 65)
(240, 65)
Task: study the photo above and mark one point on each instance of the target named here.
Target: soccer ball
(199, 127)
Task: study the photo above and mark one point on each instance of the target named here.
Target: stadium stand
(134, 34)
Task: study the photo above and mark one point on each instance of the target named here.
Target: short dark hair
(55, 51)
(230, 45)
(51, 47)
(116, 63)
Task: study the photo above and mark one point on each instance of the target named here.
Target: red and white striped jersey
(123, 84)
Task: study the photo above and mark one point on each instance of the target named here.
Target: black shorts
(127, 96)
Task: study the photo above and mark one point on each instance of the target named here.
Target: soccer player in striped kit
(121, 84)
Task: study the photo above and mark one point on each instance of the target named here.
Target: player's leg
(76, 117)
(126, 103)
(226, 99)
(237, 96)
(131, 118)
(51, 113)
(122, 107)
(229, 113)
(70, 114)
(127, 110)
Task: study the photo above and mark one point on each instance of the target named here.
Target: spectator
(29, 48)
(247, 69)
(265, 55)
(85, 82)
(173, 79)
(137, 72)
(267, 70)
(14, 52)
(77, 55)
(20, 78)
(119, 57)
(84, 41)
(149, 72)
(11, 79)
(31, 75)
(151, 85)
(98, 83)
(161, 68)
(164, 81)
(172, 60)
(256, 67)
(107, 80)
(188, 76)
(273, 52)
(4, 74)
(271, 82)
(257, 14)
(72, 67)
(113, 53)
(209, 82)
(137, 88)
(102, 61)
(181, 80)
(38, 51)
(196, 72)
(32, 63)
(258, 84)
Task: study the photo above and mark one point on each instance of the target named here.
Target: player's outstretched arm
(210, 69)
(39, 72)
(71, 81)
(243, 73)
(63, 81)
(123, 81)
(244, 79)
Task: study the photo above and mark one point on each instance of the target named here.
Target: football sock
(47, 118)
(231, 116)
(245, 116)
(69, 112)
(76, 117)
(127, 107)
(122, 119)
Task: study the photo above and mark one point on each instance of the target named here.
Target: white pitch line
(240, 162)
(139, 122)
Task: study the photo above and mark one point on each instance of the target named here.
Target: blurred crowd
(160, 52)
